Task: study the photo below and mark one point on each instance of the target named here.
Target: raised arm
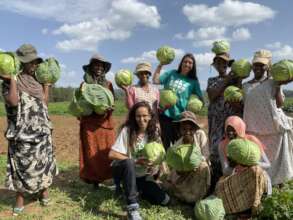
(156, 76)
(46, 89)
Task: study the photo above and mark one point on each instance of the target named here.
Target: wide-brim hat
(224, 56)
(143, 67)
(189, 116)
(27, 53)
(99, 58)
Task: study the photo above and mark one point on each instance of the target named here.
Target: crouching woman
(128, 166)
(190, 186)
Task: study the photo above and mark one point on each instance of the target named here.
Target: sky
(126, 32)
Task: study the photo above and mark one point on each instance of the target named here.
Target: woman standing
(144, 90)
(218, 109)
(184, 82)
(97, 133)
(31, 164)
(263, 99)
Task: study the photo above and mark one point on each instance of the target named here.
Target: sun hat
(188, 116)
(262, 56)
(99, 58)
(224, 56)
(143, 67)
(27, 53)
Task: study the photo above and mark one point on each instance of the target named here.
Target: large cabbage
(211, 208)
(48, 71)
(282, 70)
(9, 64)
(244, 152)
(185, 157)
(241, 68)
(194, 104)
(165, 54)
(79, 106)
(233, 94)
(221, 46)
(154, 152)
(98, 96)
(123, 78)
(168, 98)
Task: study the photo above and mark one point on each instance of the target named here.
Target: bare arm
(156, 76)
(114, 155)
(46, 88)
(12, 97)
(279, 97)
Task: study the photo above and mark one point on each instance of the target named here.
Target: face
(220, 65)
(187, 65)
(143, 77)
(30, 68)
(259, 70)
(230, 132)
(97, 68)
(142, 117)
(187, 130)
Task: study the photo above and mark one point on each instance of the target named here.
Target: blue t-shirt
(183, 86)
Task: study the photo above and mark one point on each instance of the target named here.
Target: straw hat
(143, 67)
(262, 56)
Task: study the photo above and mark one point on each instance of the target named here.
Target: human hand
(143, 161)
(279, 83)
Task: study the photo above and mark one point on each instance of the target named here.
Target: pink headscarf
(240, 127)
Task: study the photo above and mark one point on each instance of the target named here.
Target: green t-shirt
(184, 87)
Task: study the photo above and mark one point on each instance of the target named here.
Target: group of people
(104, 155)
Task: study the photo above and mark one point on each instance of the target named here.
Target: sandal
(45, 201)
(17, 210)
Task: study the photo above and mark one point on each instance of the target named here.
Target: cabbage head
(185, 157)
(123, 78)
(48, 71)
(194, 104)
(241, 68)
(9, 64)
(243, 151)
(98, 96)
(154, 152)
(233, 94)
(165, 54)
(79, 106)
(210, 208)
(282, 70)
(221, 46)
(168, 98)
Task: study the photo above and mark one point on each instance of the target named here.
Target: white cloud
(228, 13)
(88, 22)
(241, 34)
(44, 31)
(281, 51)
(68, 77)
(204, 59)
(150, 56)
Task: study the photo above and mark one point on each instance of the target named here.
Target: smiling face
(187, 131)
(31, 67)
(142, 117)
(97, 68)
(259, 70)
(143, 77)
(187, 65)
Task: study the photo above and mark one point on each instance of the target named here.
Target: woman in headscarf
(218, 109)
(97, 133)
(31, 164)
(264, 118)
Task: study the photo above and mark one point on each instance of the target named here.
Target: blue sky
(127, 31)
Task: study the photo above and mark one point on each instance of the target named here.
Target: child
(134, 170)
(193, 185)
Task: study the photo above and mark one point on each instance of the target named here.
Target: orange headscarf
(240, 127)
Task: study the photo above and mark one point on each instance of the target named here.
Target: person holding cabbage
(184, 82)
(264, 117)
(190, 183)
(97, 133)
(130, 164)
(31, 164)
(219, 109)
(144, 90)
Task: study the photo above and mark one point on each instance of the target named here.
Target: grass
(75, 200)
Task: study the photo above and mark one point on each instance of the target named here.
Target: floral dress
(31, 164)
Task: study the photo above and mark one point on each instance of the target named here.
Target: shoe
(44, 201)
(17, 210)
(132, 212)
